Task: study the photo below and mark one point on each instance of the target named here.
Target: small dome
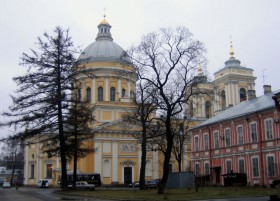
(103, 49)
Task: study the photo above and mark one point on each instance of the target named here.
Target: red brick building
(244, 138)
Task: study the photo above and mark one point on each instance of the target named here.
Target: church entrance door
(127, 175)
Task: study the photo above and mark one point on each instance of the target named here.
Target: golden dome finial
(199, 69)
(231, 49)
(104, 21)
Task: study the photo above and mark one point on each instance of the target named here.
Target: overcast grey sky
(253, 24)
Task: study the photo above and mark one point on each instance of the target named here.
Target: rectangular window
(268, 129)
(254, 132)
(270, 166)
(241, 168)
(32, 171)
(196, 143)
(206, 168)
(206, 142)
(255, 166)
(227, 135)
(240, 135)
(197, 169)
(216, 140)
(228, 163)
(49, 171)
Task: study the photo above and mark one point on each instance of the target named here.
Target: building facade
(241, 139)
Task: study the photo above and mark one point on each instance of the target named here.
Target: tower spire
(231, 49)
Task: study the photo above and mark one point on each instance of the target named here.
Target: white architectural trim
(115, 161)
(98, 156)
(128, 88)
(93, 99)
(119, 88)
(106, 89)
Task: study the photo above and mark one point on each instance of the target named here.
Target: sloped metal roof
(102, 50)
(247, 107)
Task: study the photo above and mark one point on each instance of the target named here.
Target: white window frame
(228, 170)
(196, 143)
(206, 145)
(216, 137)
(258, 167)
(240, 136)
(268, 131)
(241, 159)
(227, 137)
(256, 134)
(273, 165)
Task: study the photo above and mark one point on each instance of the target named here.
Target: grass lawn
(179, 194)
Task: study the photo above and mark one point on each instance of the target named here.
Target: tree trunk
(143, 159)
(64, 182)
(75, 162)
(167, 154)
(180, 162)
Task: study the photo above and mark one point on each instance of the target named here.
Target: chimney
(266, 89)
(251, 94)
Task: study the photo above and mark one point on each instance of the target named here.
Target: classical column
(227, 95)
(93, 91)
(119, 88)
(155, 164)
(237, 98)
(203, 107)
(128, 88)
(39, 159)
(26, 163)
(98, 156)
(107, 89)
(115, 161)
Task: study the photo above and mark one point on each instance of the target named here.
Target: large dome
(103, 49)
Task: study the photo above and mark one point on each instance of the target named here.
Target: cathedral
(110, 88)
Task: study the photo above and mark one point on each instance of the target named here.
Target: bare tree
(13, 158)
(42, 98)
(143, 114)
(168, 59)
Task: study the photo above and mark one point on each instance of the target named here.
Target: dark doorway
(127, 175)
(218, 175)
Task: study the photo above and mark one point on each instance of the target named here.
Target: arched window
(100, 94)
(112, 94)
(223, 100)
(243, 96)
(208, 109)
(88, 94)
(123, 92)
